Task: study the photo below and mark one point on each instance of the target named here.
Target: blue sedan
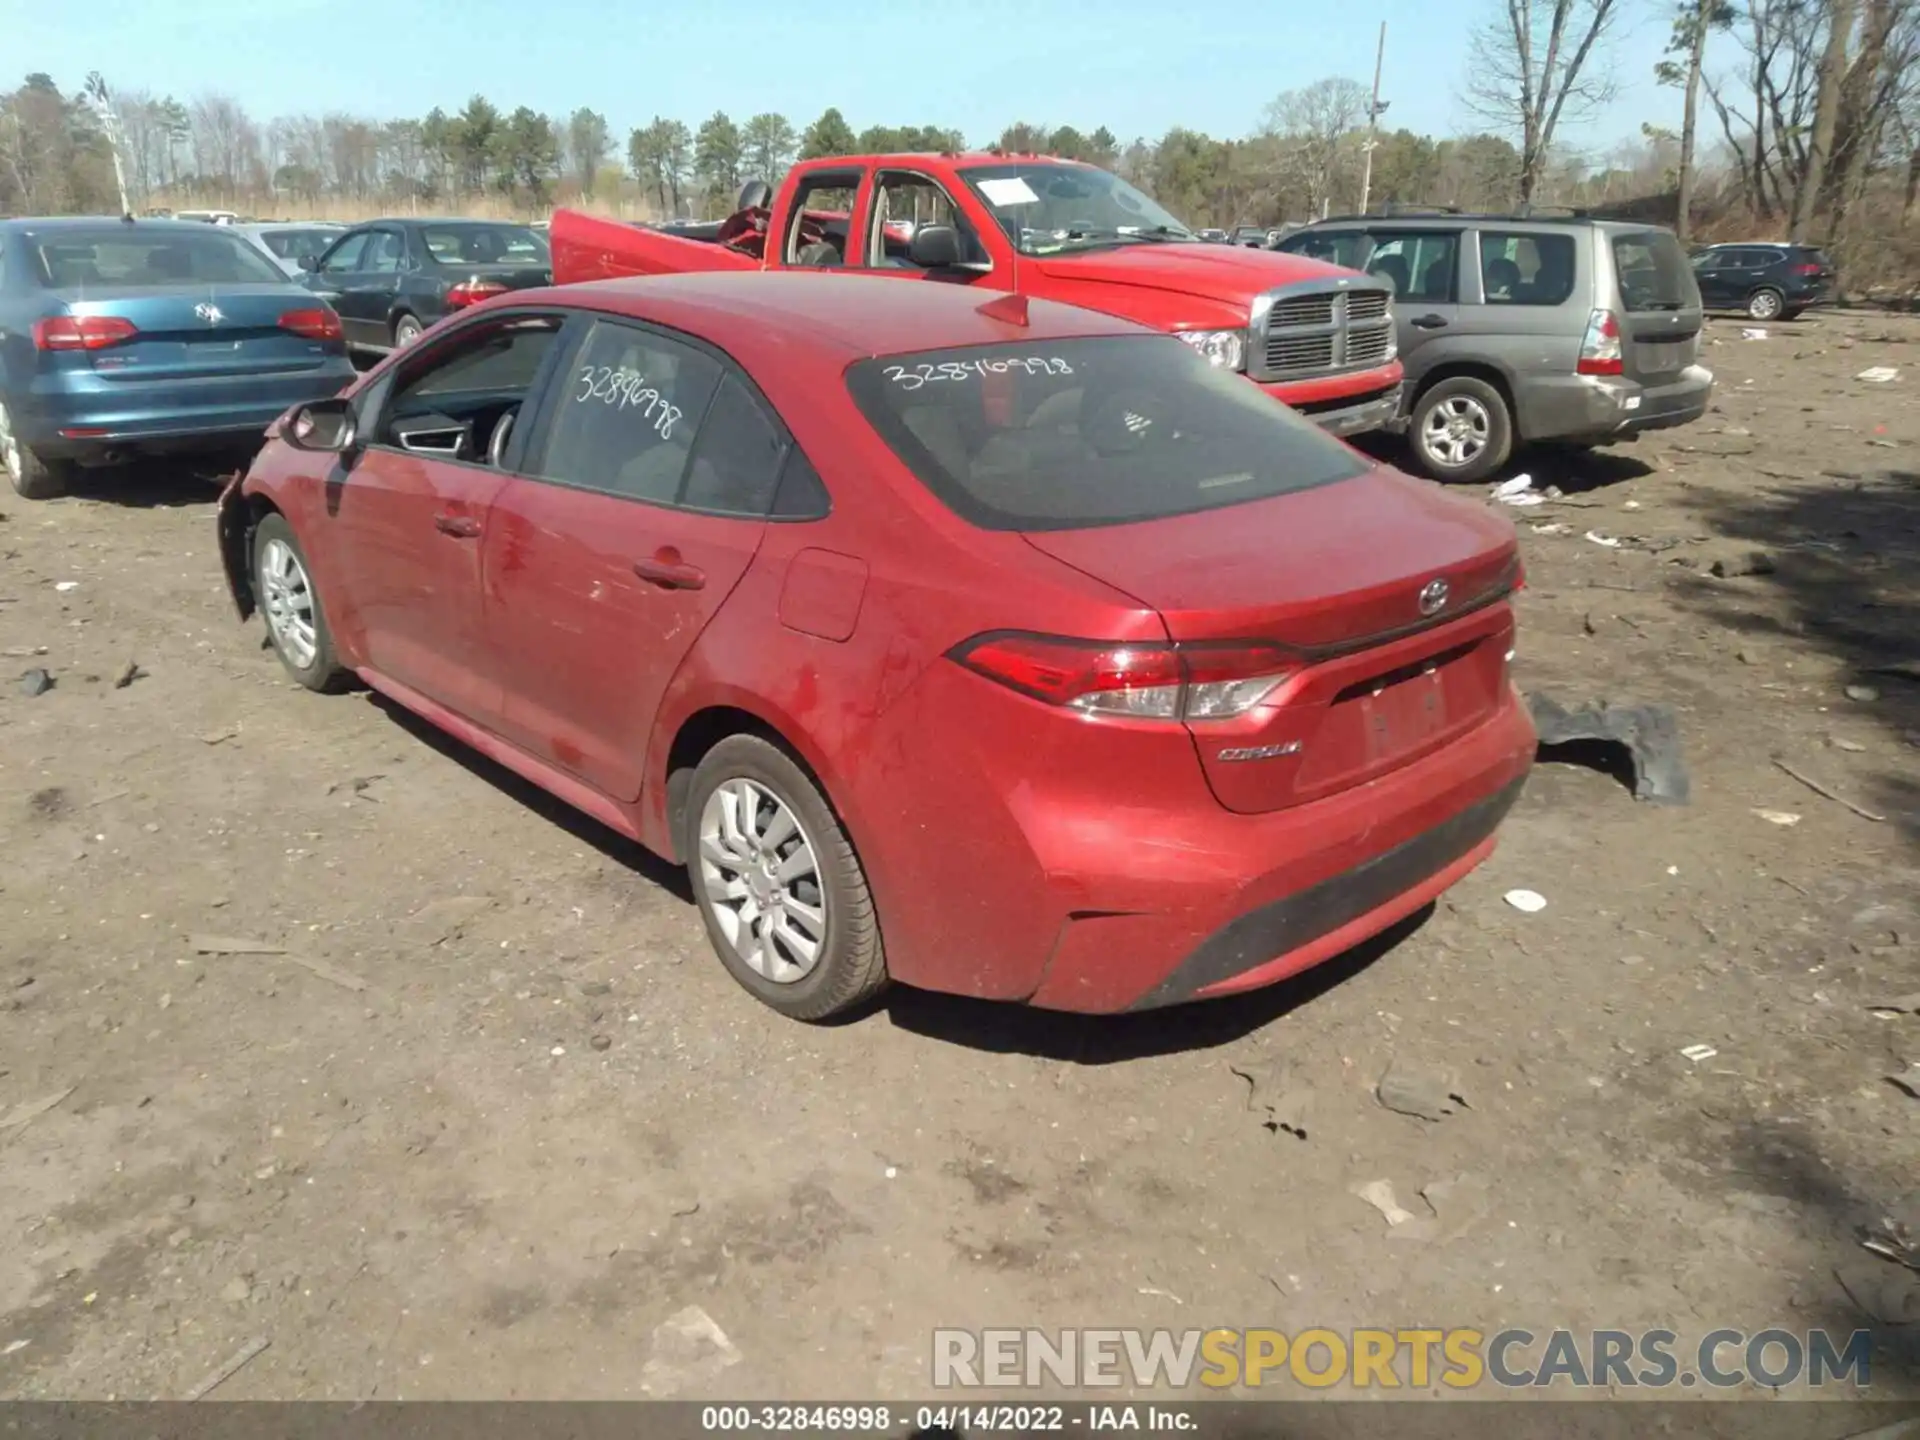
(130, 337)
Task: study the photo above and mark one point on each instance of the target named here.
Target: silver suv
(1514, 330)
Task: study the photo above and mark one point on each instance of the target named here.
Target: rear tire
(1461, 429)
(296, 622)
(31, 477)
(783, 894)
(1766, 303)
(406, 330)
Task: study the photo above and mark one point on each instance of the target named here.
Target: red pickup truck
(1314, 335)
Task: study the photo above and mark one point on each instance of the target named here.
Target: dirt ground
(549, 1121)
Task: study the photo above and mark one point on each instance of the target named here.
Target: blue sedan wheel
(32, 478)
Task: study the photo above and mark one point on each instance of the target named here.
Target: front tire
(296, 622)
(1765, 304)
(782, 892)
(1461, 429)
(31, 477)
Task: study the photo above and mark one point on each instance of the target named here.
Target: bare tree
(1311, 127)
(1832, 78)
(1534, 67)
(1696, 20)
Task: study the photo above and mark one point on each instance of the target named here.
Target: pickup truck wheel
(1765, 304)
(296, 623)
(1461, 430)
(779, 886)
(32, 478)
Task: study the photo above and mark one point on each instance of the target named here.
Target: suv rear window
(1070, 434)
(1653, 270)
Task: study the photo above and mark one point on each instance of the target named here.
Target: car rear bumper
(1263, 897)
(71, 424)
(1598, 408)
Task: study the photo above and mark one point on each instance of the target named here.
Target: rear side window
(1336, 247)
(1418, 266)
(1653, 272)
(625, 416)
(127, 255)
(737, 455)
(1067, 434)
(1528, 268)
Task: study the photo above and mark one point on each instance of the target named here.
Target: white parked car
(293, 245)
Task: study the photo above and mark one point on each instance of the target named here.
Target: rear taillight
(1806, 267)
(316, 324)
(81, 332)
(1149, 682)
(1600, 350)
(472, 292)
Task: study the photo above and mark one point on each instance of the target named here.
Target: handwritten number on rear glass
(626, 389)
(915, 376)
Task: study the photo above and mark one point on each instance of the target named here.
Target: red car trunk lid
(1390, 592)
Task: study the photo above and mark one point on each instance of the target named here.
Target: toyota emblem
(1433, 597)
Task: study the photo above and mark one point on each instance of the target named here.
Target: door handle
(1429, 322)
(461, 527)
(667, 570)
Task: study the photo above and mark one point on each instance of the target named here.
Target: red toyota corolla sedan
(1000, 649)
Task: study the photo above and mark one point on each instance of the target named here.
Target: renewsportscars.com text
(1416, 1359)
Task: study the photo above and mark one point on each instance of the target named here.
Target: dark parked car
(1767, 282)
(123, 337)
(390, 279)
(764, 570)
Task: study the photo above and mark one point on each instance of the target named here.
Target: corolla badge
(1433, 597)
(209, 313)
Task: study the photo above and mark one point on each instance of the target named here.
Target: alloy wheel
(287, 597)
(9, 446)
(1455, 431)
(762, 880)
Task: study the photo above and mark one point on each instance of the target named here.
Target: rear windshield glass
(298, 244)
(485, 244)
(1067, 434)
(127, 255)
(1654, 272)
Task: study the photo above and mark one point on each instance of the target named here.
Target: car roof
(438, 220)
(1426, 219)
(56, 223)
(775, 315)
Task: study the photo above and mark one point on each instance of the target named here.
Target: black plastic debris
(1650, 735)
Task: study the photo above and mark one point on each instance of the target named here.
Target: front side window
(903, 202)
(126, 255)
(1063, 209)
(1346, 248)
(460, 397)
(1066, 434)
(386, 253)
(344, 258)
(1526, 268)
(626, 413)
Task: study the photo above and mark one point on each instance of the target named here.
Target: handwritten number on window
(625, 389)
(915, 377)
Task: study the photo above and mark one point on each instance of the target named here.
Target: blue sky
(1136, 66)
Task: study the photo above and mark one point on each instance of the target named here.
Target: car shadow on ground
(156, 484)
(1574, 471)
(1005, 1028)
(610, 843)
(1846, 562)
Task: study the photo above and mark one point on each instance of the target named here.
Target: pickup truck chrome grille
(1319, 327)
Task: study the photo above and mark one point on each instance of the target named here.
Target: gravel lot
(491, 1114)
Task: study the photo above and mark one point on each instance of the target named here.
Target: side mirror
(934, 247)
(323, 425)
(309, 262)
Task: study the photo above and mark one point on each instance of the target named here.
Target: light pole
(1375, 110)
(102, 105)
